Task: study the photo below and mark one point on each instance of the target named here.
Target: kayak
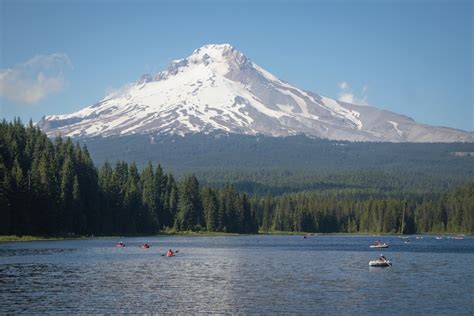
(380, 245)
(145, 247)
(168, 255)
(380, 263)
(120, 246)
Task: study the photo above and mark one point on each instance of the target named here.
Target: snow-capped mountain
(218, 88)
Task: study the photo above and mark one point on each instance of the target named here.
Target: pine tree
(136, 219)
(190, 214)
(67, 178)
(211, 209)
(150, 198)
(5, 192)
(78, 215)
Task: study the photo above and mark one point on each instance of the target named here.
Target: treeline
(320, 212)
(374, 183)
(53, 188)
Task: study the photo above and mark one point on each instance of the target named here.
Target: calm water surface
(244, 274)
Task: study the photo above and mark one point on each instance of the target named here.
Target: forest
(52, 187)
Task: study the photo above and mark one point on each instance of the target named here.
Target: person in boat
(121, 243)
(146, 245)
(382, 258)
(169, 253)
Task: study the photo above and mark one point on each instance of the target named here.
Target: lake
(326, 274)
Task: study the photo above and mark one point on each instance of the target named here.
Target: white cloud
(112, 92)
(347, 95)
(33, 80)
(343, 85)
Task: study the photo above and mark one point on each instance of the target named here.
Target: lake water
(241, 274)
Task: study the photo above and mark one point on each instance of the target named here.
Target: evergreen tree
(67, 178)
(211, 209)
(150, 199)
(190, 214)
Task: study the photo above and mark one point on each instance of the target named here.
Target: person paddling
(170, 253)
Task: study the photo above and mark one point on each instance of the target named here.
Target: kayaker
(170, 253)
(382, 257)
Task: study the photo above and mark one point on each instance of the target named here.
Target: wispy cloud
(347, 95)
(33, 80)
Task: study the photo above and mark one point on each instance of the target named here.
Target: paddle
(382, 257)
(387, 261)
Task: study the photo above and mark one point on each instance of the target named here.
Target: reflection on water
(248, 274)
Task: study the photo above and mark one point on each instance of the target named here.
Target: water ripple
(247, 274)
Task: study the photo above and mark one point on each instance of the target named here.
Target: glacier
(218, 88)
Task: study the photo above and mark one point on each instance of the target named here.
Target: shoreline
(14, 238)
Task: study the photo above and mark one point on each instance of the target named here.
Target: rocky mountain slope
(218, 88)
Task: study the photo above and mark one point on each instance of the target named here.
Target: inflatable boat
(380, 263)
(379, 245)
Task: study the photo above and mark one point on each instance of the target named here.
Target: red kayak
(170, 253)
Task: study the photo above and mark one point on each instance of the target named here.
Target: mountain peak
(214, 48)
(217, 88)
(217, 53)
(219, 58)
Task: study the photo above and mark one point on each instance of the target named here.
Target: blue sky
(410, 57)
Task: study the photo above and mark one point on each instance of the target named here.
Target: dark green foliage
(190, 213)
(316, 211)
(52, 187)
(214, 153)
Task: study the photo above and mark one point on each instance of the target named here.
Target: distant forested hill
(278, 165)
(227, 152)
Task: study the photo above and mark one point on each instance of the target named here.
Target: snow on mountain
(218, 88)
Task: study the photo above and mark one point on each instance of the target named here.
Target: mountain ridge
(218, 88)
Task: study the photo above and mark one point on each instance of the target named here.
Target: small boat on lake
(381, 262)
(121, 244)
(379, 244)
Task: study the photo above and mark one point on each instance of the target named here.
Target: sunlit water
(245, 274)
